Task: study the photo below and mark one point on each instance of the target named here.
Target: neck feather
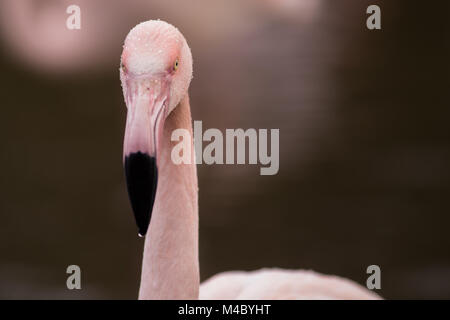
(170, 267)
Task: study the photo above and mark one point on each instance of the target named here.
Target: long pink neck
(170, 267)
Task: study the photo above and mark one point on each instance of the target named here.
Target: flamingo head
(155, 71)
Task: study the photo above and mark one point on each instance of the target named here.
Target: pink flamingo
(156, 70)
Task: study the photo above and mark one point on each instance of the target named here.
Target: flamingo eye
(175, 65)
(122, 66)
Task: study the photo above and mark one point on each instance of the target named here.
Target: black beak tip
(142, 179)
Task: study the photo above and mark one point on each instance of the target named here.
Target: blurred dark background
(364, 142)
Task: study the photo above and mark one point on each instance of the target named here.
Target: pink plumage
(155, 50)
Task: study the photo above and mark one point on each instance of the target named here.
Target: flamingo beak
(146, 101)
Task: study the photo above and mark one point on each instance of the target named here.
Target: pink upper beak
(146, 99)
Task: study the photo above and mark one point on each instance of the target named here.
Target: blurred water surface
(364, 150)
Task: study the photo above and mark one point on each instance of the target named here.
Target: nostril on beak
(142, 178)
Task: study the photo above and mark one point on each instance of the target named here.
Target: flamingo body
(274, 284)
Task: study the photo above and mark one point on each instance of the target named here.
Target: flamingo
(155, 72)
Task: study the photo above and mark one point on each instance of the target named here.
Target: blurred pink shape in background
(36, 33)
